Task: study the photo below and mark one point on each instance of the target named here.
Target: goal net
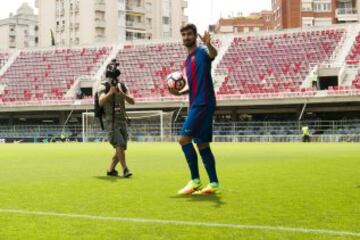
(145, 126)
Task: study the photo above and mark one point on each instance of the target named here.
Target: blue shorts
(199, 124)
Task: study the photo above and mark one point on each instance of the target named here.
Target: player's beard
(190, 43)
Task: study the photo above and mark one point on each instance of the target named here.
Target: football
(176, 81)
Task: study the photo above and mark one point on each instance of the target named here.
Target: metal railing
(249, 96)
(284, 131)
(346, 11)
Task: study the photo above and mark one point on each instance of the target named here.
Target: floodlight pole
(302, 111)
(162, 126)
(83, 127)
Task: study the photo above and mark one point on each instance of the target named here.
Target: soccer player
(198, 124)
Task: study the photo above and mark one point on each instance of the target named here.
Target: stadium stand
(251, 66)
(356, 81)
(49, 73)
(145, 67)
(354, 56)
(275, 63)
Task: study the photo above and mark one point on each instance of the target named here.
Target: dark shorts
(119, 136)
(199, 124)
(306, 138)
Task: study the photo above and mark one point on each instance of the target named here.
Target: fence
(287, 131)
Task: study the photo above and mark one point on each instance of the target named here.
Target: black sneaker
(127, 173)
(113, 173)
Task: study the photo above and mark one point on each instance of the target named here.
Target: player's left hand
(206, 39)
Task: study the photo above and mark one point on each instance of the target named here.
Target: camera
(113, 72)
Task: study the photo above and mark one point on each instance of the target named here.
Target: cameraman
(112, 97)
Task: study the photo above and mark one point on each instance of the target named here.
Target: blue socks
(192, 160)
(209, 163)
(208, 160)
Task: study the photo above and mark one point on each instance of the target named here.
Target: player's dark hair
(189, 26)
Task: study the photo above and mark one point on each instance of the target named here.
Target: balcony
(135, 9)
(347, 14)
(100, 23)
(12, 44)
(12, 33)
(136, 25)
(134, 38)
(100, 38)
(100, 6)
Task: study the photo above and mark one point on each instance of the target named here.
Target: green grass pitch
(280, 186)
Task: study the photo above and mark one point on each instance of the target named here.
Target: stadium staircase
(114, 52)
(223, 48)
(9, 61)
(346, 46)
(95, 79)
(353, 61)
(312, 76)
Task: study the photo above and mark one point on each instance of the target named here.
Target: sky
(206, 12)
(200, 12)
(6, 7)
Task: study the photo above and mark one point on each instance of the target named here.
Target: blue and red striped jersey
(198, 74)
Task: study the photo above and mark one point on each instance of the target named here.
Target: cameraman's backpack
(98, 110)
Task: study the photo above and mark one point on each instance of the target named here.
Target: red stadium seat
(275, 63)
(53, 71)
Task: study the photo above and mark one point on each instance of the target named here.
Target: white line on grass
(183, 223)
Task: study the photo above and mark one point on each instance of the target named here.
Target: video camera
(113, 72)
